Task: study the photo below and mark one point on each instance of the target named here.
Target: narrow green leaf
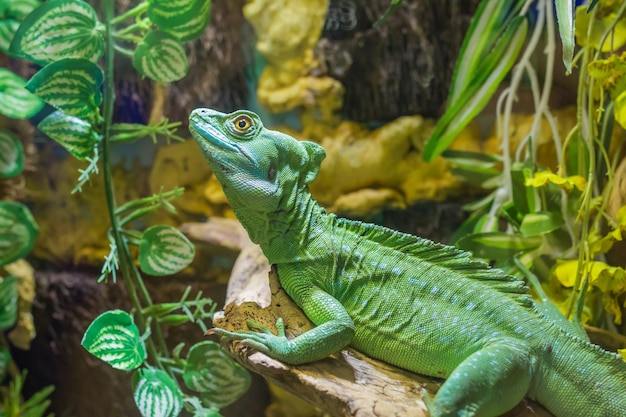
(471, 159)
(210, 371)
(71, 85)
(523, 196)
(11, 155)
(74, 134)
(156, 393)
(497, 245)
(164, 250)
(537, 224)
(8, 302)
(18, 231)
(489, 22)
(7, 31)
(59, 29)
(565, 10)
(17, 102)
(476, 96)
(114, 338)
(161, 57)
(5, 359)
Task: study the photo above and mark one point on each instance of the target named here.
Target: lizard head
(260, 170)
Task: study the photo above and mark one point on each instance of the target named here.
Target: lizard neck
(283, 233)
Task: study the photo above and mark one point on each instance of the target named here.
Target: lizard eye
(242, 123)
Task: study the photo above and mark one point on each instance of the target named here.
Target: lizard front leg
(334, 331)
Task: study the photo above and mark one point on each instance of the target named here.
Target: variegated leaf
(17, 9)
(7, 30)
(210, 371)
(71, 85)
(59, 29)
(16, 101)
(114, 338)
(156, 393)
(171, 13)
(186, 21)
(18, 231)
(164, 250)
(161, 57)
(11, 155)
(8, 302)
(74, 134)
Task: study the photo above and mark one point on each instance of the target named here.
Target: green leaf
(210, 371)
(18, 231)
(7, 31)
(490, 21)
(11, 154)
(565, 10)
(5, 359)
(17, 102)
(497, 245)
(59, 29)
(74, 134)
(164, 250)
(161, 57)
(537, 224)
(184, 19)
(8, 302)
(114, 338)
(156, 393)
(523, 196)
(475, 96)
(71, 85)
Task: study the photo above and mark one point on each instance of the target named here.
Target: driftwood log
(345, 384)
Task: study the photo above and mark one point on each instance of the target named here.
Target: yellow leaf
(565, 272)
(620, 109)
(542, 178)
(623, 353)
(607, 11)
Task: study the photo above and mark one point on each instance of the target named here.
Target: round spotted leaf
(8, 302)
(164, 250)
(71, 85)
(59, 29)
(210, 371)
(161, 57)
(18, 231)
(156, 393)
(114, 338)
(74, 134)
(11, 155)
(184, 19)
(17, 102)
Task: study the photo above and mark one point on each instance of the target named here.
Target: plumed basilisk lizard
(408, 301)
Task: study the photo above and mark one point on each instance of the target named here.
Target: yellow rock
(24, 331)
(287, 31)
(365, 171)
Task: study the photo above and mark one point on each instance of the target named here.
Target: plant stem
(126, 263)
(135, 11)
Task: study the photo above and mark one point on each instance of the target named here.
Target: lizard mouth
(203, 131)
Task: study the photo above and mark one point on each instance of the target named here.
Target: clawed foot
(260, 338)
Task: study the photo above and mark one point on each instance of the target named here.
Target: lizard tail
(582, 379)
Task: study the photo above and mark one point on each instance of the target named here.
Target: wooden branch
(345, 384)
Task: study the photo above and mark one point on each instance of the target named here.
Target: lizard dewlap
(413, 303)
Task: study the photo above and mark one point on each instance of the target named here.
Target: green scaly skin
(413, 303)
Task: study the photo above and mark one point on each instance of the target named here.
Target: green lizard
(408, 301)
